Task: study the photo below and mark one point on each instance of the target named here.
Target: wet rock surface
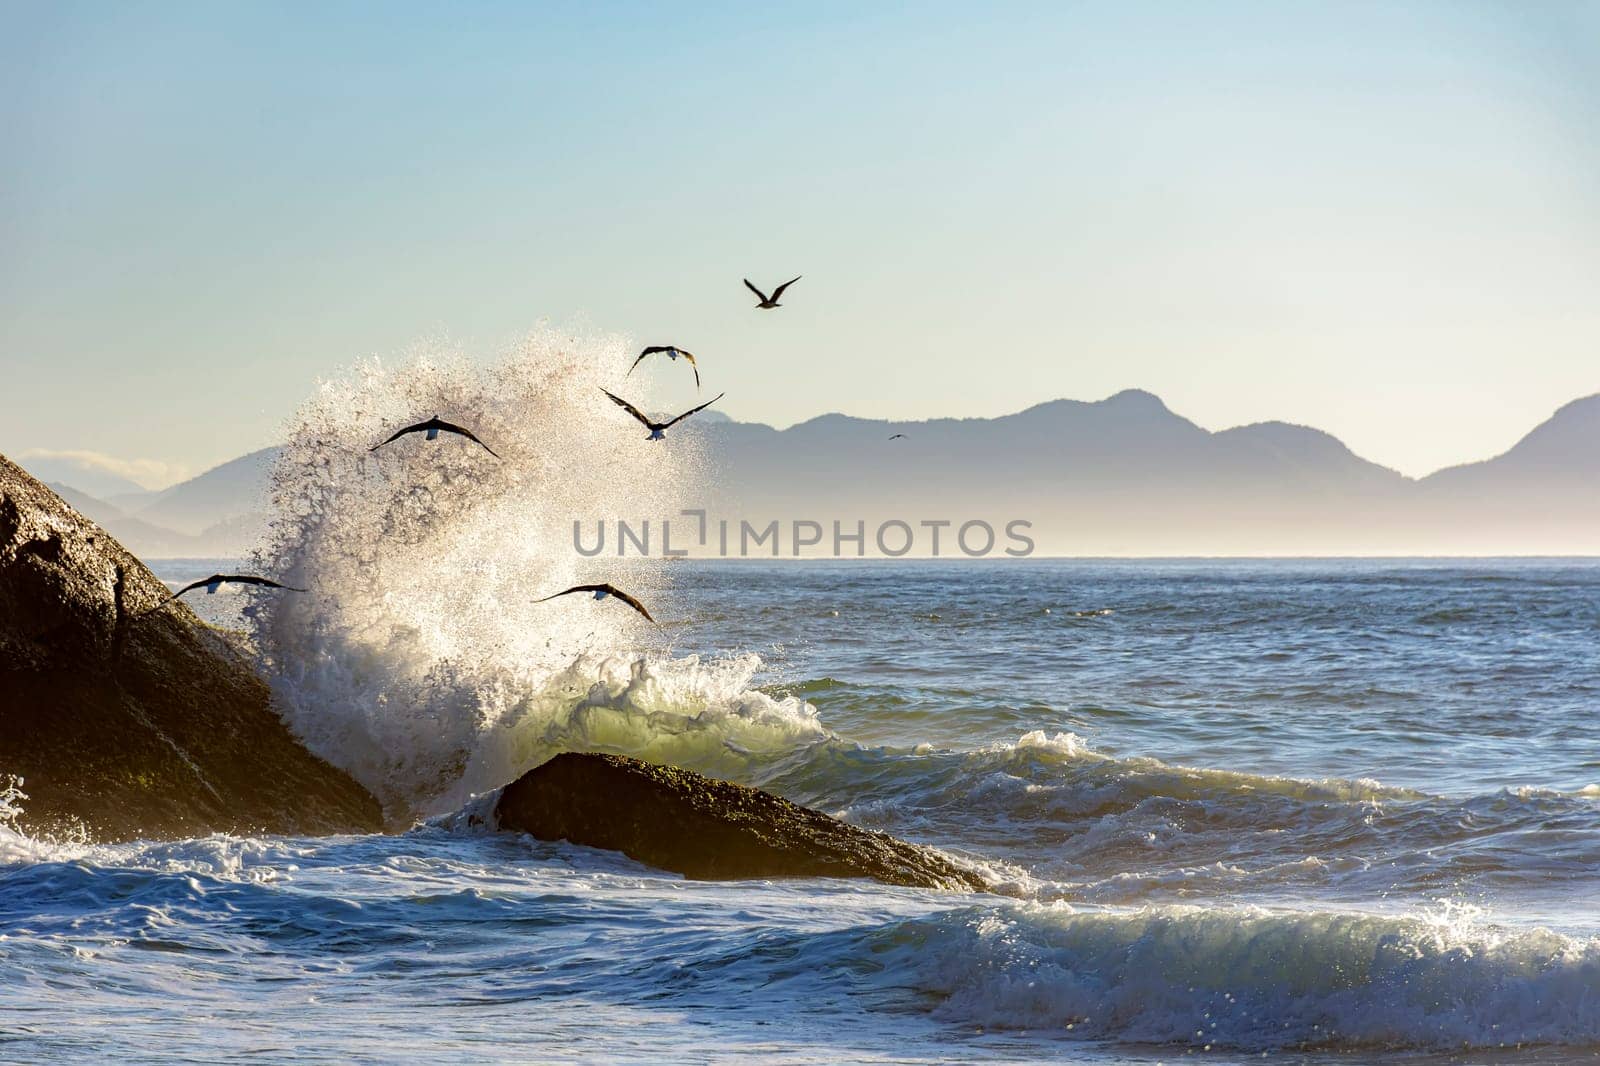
(707, 829)
(127, 718)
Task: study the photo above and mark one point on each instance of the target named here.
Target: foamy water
(1342, 811)
(1361, 877)
(422, 660)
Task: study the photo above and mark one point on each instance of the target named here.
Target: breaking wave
(420, 660)
(1253, 979)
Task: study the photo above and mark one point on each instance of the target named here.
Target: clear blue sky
(1379, 219)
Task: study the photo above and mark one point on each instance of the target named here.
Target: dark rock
(707, 829)
(132, 722)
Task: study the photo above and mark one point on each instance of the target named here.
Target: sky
(1379, 219)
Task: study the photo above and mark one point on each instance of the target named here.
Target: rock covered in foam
(707, 829)
(132, 722)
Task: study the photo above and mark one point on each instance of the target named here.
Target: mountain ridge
(1124, 472)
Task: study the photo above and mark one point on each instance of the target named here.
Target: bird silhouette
(671, 351)
(433, 427)
(216, 581)
(658, 429)
(601, 591)
(769, 302)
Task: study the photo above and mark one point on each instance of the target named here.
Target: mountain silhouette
(1127, 476)
(1119, 476)
(86, 476)
(1544, 492)
(237, 487)
(153, 540)
(220, 513)
(1561, 452)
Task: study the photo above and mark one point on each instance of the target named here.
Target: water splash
(420, 660)
(15, 845)
(20, 845)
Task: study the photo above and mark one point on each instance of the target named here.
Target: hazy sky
(1382, 220)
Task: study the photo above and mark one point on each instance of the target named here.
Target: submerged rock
(131, 722)
(707, 829)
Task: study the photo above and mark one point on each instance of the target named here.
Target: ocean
(1296, 811)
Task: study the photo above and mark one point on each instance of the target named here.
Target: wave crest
(1258, 980)
(420, 660)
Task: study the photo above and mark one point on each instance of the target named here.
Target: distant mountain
(85, 475)
(220, 495)
(1299, 451)
(127, 501)
(1544, 492)
(1121, 476)
(139, 537)
(1563, 452)
(1127, 476)
(219, 513)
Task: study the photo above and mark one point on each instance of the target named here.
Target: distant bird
(433, 427)
(897, 436)
(672, 352)
(658, 429)
(216, 581)
(600, 593)
(769, 302)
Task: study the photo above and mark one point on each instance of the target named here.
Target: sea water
(1306, 810)
(1300, 810)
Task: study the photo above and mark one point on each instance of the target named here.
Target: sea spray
(22, 845)
(15, 846)
(421, 660)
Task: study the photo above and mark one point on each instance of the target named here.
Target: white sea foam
(420, 659)
(17, 846)
(1160, 778)
(1245, 978)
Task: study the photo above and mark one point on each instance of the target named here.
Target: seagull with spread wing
(601, 591)
(769, 302)
(215, 581)
(433, 427)
(897, 436)
(658, 429)
(671, 351)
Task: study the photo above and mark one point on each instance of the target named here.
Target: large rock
(707, 829)
(132, 722)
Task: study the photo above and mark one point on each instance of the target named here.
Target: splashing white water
(14, 843)
(18, 845)
(420, 660)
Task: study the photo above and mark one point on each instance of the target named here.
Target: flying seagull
(897, 436)
(434, 426)
(216, 581)
(769, 302)
(600, 593)
(658, 429)
(672, 352)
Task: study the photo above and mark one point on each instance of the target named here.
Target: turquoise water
(1306, 810)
